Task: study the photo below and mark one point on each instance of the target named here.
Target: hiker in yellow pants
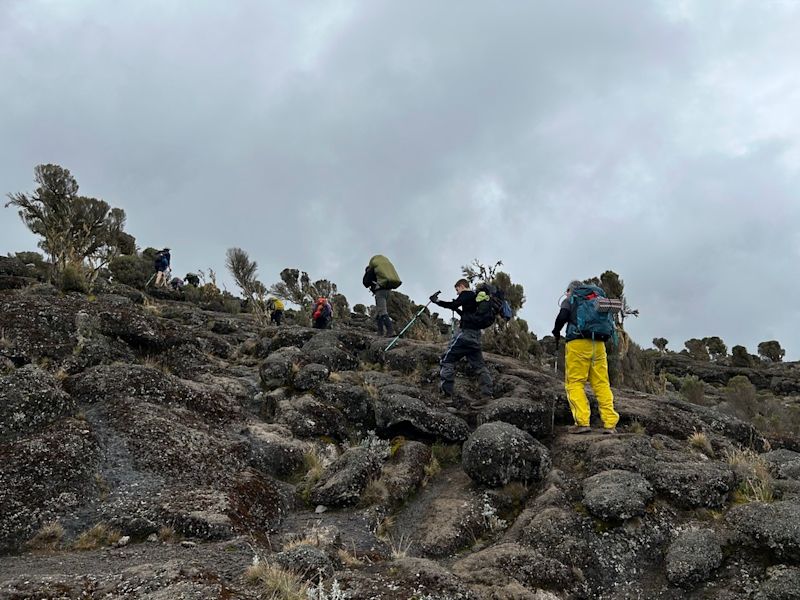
(586, 359)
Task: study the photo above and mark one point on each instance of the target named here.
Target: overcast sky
(657, 139)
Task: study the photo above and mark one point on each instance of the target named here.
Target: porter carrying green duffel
(385, 273)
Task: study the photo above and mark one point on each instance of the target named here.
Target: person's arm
(369, 277)
(454, 304)
(561, 320)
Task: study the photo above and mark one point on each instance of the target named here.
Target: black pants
(276, 317)
(322, 323)
(465, 344)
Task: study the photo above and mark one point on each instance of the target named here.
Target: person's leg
(598, 378)
(447, 373)
(381, 312)
(578, 355)
(476, 363)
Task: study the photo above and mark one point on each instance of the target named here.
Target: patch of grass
(61, 375)
(375, 493)
(516, 491)
(757, 484)
(4, 342)
(371, 390)
(153, 362)
(276, 583)
(335, 377)
(167, 535)
(371, 366)
(316, 536)
(103, 488)
(47, 539)
(395, 445)
(432, 469)
(400, 546)
(98, 536)
(384, 527)
(446, 454)
(315, 463)
(349, 559)
(699, 441)
(636, 427)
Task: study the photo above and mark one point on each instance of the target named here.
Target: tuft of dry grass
(400, 546)
(48, 538)
(61, 375)
(375, 492)
(98, 536)
(349, 559)
(276, 583)
(446, 454)
(335, 377)
(431, 470)
(516, 491)
(757, 483)
(167, 535)
(699, 441)
(636, 427)
(384, 528)
(372, 391)
(153, 362)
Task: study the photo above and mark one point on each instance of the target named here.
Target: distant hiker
(176, 283)
(192, 279)
(466, 343)
(380, 277)
(161, 264)
(323, 314)
(275, 307)
(588, 329)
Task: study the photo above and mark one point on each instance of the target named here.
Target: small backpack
(594, 313)
(491, 304)
(322, 309)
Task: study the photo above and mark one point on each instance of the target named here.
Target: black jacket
(370, 279)
(465, 305)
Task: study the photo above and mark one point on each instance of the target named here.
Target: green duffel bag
(387, 276)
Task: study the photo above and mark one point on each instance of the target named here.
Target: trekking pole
(555, 360)
(410, 323)
(149, 280)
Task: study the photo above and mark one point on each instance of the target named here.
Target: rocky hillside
(150, 449)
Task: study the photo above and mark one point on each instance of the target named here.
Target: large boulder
(785, 463)
(274, 451)
(308, 417)
(692, 557)
(342, 482)
(535, 417)
(107, 383)
(399, 413)
(497, 453)
(307, 561)
(326, 348)
(405, 470)
(616, 495)
(774, 527)
(782, 583)
(278, 368)
(353, 400)
(30, 399)
(44, 476)
(310, 376)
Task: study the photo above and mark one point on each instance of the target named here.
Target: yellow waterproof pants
(587, 360)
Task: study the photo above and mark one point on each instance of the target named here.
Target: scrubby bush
(341, 308)
(693, 389)
(660, 343)
(131, 269)
(716, 347)
(740, 357)
(697, 349)
(73, 279)
(360, 309)
(771, 350)
(509, 339)
(245, 273)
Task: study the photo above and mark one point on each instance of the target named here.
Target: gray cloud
(658, 140)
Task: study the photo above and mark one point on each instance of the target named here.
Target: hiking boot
(610, 430)
(579, 429)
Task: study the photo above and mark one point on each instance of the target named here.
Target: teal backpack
(594, 314)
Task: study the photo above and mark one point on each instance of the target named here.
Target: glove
(434, 298)
(556, 335)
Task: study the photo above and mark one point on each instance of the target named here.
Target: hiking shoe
(578, 429)
(610, 430)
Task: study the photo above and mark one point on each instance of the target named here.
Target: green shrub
(73, 279)
(132, 270)
(693, 389)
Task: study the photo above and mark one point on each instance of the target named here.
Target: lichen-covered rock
(308, 417)
(307, 561)
(616, 495)
(774, 527)
(30, 399)
(404, 471)
(535, 417)
(42, 476)
(290, 336)
(326, 348)
(310, 376)
(492, 570)
(278, 368)
(258, 503)
(782, 583)
(353, 400)
(177, 442)
(497, 453)
(274, 451)
(107, 383)
(342, 482)
(199, 513)
(785, 463)
(692, 557)
(398, 413)
(693, 484)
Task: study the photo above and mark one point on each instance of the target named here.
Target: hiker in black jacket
(466, 343)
